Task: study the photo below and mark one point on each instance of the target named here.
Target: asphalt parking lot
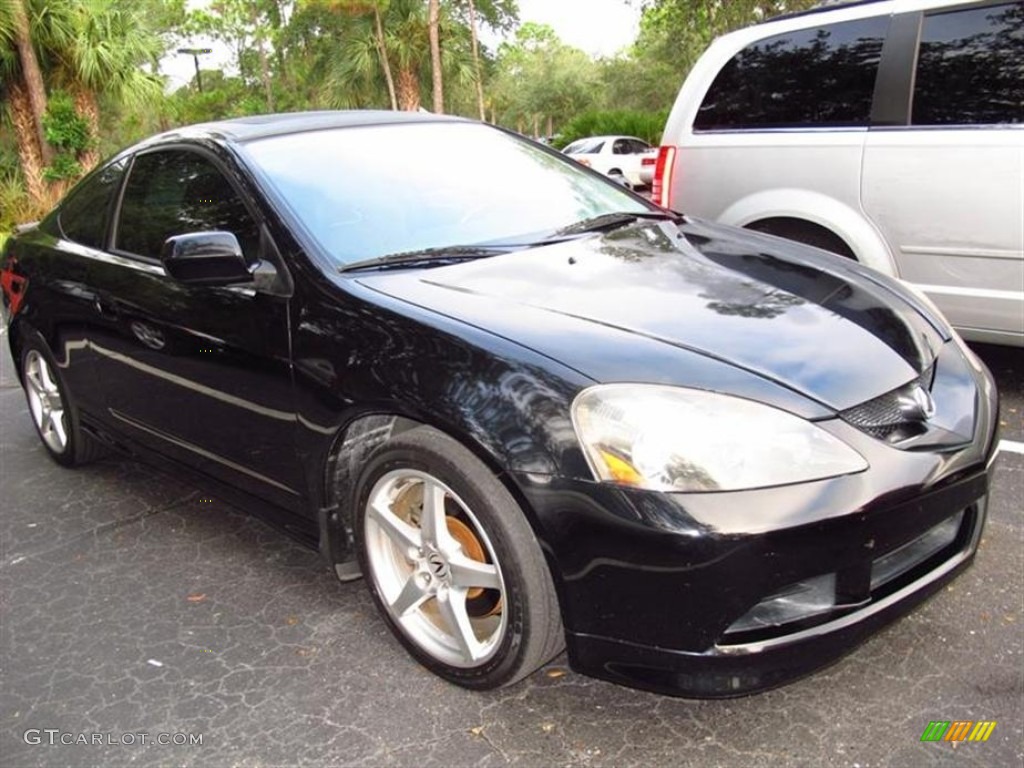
(134, 603)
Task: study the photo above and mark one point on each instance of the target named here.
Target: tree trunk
(536, 126)
(28, 143)
(476, 61)
(435, 55)
(35, 89)
(408, 90)
(264, 63)
(384, 63)
(551, 126)
(265, 75)
(86, 106)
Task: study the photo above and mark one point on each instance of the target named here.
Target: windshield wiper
(609, 221)
(439, 255)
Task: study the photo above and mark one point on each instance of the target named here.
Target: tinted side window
(83, 216)
(172, 193)
(970, 67)
(812, 77)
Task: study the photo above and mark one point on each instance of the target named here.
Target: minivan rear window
(970, 67)
(820, 77)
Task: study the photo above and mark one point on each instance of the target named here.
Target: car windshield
(369, 192)
(584, 147)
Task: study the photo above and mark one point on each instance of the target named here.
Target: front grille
(824, 598)
(903, 559)
(884, 417)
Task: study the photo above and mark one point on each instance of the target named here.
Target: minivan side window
(970, 68)
(811, 78)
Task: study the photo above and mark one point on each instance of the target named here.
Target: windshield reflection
(371, 191)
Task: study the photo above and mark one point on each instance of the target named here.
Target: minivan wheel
(804, 232)
(452, 564)
(53, 412)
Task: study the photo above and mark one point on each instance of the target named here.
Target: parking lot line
(1011, 446)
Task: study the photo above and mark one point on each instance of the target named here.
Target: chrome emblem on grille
(917, 404)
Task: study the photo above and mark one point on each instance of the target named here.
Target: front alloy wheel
(452, 563)
(435, 568)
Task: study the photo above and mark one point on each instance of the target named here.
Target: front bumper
(728, 669)
(652, 585)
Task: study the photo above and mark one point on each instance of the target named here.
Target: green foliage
(540, 78)
(15, 205)
(63, 168)
(643, 125)
(65, 129)
(68, 133)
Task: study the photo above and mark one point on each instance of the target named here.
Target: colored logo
(958, 730)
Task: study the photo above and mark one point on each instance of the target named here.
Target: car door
(201, 374)
(946, 187)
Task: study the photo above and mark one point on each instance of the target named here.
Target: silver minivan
(891, 132)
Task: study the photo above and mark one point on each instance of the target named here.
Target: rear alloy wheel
(452, 563)
(53, 414)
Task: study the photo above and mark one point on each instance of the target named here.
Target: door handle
(105, 308)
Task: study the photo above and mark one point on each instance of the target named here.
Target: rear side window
(83, 216)
(822, 77)
(970, 67)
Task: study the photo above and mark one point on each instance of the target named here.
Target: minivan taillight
(661, 187)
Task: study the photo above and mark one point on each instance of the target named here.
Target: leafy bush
(68, 132)
(16, 207)
(644, 125)
(64, 167)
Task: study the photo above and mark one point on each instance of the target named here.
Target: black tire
(39, 371)
(616, 175)
(804, 232)
(527, 607)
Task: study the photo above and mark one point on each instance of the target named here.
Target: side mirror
(206, 258)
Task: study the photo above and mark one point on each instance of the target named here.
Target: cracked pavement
(134, 602)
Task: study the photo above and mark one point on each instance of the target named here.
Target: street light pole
(195, 53)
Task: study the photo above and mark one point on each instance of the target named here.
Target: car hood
(604, 305)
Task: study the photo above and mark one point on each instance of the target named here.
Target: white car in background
(617, 156)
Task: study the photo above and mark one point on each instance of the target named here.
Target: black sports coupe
(533, 410)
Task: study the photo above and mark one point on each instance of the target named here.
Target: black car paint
(288, 389)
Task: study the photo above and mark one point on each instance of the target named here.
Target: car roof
(605, 139)
(245, 129)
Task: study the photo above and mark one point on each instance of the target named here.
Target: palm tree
(378, 26)
(435, 55)
(396, 44)
(17, 31)
(103, 57)
(476, 61)
(358, 42)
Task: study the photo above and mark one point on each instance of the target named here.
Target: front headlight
(672, 439)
